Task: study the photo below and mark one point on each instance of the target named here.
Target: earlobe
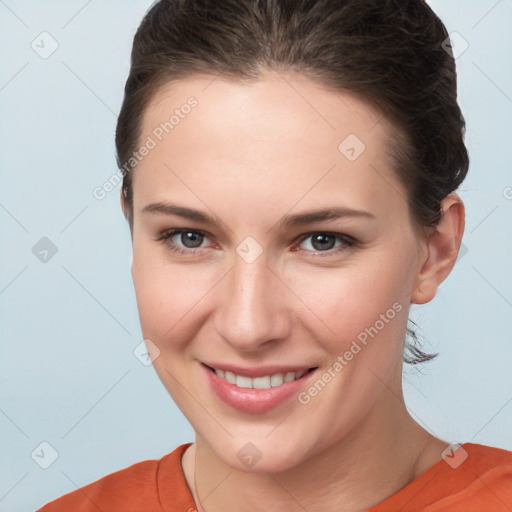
(443, 247)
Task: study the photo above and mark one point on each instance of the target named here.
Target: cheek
(166, 296)
(358, 302)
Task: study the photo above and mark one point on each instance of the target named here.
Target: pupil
(322, 239)
(194, 238)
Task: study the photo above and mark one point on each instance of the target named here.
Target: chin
(275, 463)
(260, 457)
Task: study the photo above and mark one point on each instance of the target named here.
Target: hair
(389, 53)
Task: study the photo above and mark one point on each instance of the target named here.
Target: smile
(265, 382)
(257, 390)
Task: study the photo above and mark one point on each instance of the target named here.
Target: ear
(124, 208)
(123, 201)
(442, 245)
(126, 211)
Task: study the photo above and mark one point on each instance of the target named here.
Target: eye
(322, 242)
(189, 239)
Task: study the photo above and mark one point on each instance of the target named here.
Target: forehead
(279, 135)
(289, 105)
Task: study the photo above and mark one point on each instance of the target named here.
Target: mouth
(263, 382)
(257, 390)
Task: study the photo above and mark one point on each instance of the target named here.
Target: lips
(256, 390)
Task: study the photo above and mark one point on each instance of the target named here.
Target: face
(273, 262)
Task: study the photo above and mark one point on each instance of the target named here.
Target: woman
(289, 176)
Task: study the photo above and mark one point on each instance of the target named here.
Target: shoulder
(488, 465)
(484, 465)
(471, 478)
(134, 488)
(488, 456)
(478, 478)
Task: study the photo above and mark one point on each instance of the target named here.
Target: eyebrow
(299, 219)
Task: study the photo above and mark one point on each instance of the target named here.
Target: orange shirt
(482, 482)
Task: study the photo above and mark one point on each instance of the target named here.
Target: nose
(252, 306)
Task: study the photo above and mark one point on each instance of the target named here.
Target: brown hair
(387, 52)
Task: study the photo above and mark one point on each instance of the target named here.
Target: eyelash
(348, 242)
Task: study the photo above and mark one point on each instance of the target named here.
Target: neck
(382, 454)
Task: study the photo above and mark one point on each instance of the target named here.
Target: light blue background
(69, 326)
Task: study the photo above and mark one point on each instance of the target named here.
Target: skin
(249, 154)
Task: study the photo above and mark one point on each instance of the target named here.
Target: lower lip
(254, 400)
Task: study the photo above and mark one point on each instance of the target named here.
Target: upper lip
(259, 371)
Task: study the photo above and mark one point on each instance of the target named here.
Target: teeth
(277, 379)
(261, 382)
(266, 382)
(289, 377)
(229, 376)
(243, 382)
